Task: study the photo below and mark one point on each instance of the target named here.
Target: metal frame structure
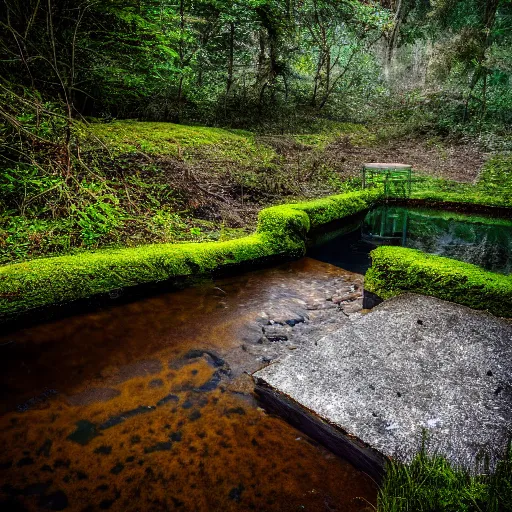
(388, 173)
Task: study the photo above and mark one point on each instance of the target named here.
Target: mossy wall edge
(397, 270)
(282, 231)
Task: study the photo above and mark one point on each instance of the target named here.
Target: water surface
(147, 406)
(482, 241)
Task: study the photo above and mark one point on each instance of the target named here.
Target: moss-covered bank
(281, 231)
(396, 270)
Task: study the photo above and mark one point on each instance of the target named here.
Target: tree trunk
(182, 58)
(231, 57)
(397, 22)
(230, 79)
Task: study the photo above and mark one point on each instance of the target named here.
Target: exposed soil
(302, 173)
(458, 162)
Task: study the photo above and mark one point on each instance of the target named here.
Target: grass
(493, 188)
(148, 183)
(431, 484)
(141, 183)
(356, 133)
(188, 142)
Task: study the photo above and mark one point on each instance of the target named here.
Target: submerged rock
(55, 501)
(85, 431)
(159, 447)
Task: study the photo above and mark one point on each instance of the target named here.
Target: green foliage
(168, 225)
(430, 484)
(281, 232)
(268, 63)
(239, 62)
(141, 182)
(21, 237)
(397, 270)
(496, 175)
(23, 185)
(97, 219)
(188, 142)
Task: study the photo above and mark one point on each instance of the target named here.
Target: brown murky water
(148, 406)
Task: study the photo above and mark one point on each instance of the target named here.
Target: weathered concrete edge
(370, 299)
(339, 442)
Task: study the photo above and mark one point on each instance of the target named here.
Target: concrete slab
(371, 389)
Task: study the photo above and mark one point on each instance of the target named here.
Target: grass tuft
(431, 484)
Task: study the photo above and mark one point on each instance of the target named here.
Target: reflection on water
(481, 241)
(146, 406)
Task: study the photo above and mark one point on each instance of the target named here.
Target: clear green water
(482, 241)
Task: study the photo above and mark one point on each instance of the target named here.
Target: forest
(437, 66)
(303, 88)
(149, 145)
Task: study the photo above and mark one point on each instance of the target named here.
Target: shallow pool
(483, 241)
(149, 406)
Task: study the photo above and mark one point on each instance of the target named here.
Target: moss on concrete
(463, 197)
(323, 211)
(281, 231)
(493, 188)
(396, 270)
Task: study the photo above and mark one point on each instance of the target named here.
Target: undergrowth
(493, 187)
(131, 183)
(281, 233)
(431, 484)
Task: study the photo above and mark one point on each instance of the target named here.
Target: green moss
(396, 270)
(331, 208)
(128, 136)
(182, 141)
(496, 175)
(281, 231)
(332, 131)
(471, 196)
(429, 214)
(494, 186)
(36, 283)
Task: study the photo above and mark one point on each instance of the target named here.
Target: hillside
(146, 182)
